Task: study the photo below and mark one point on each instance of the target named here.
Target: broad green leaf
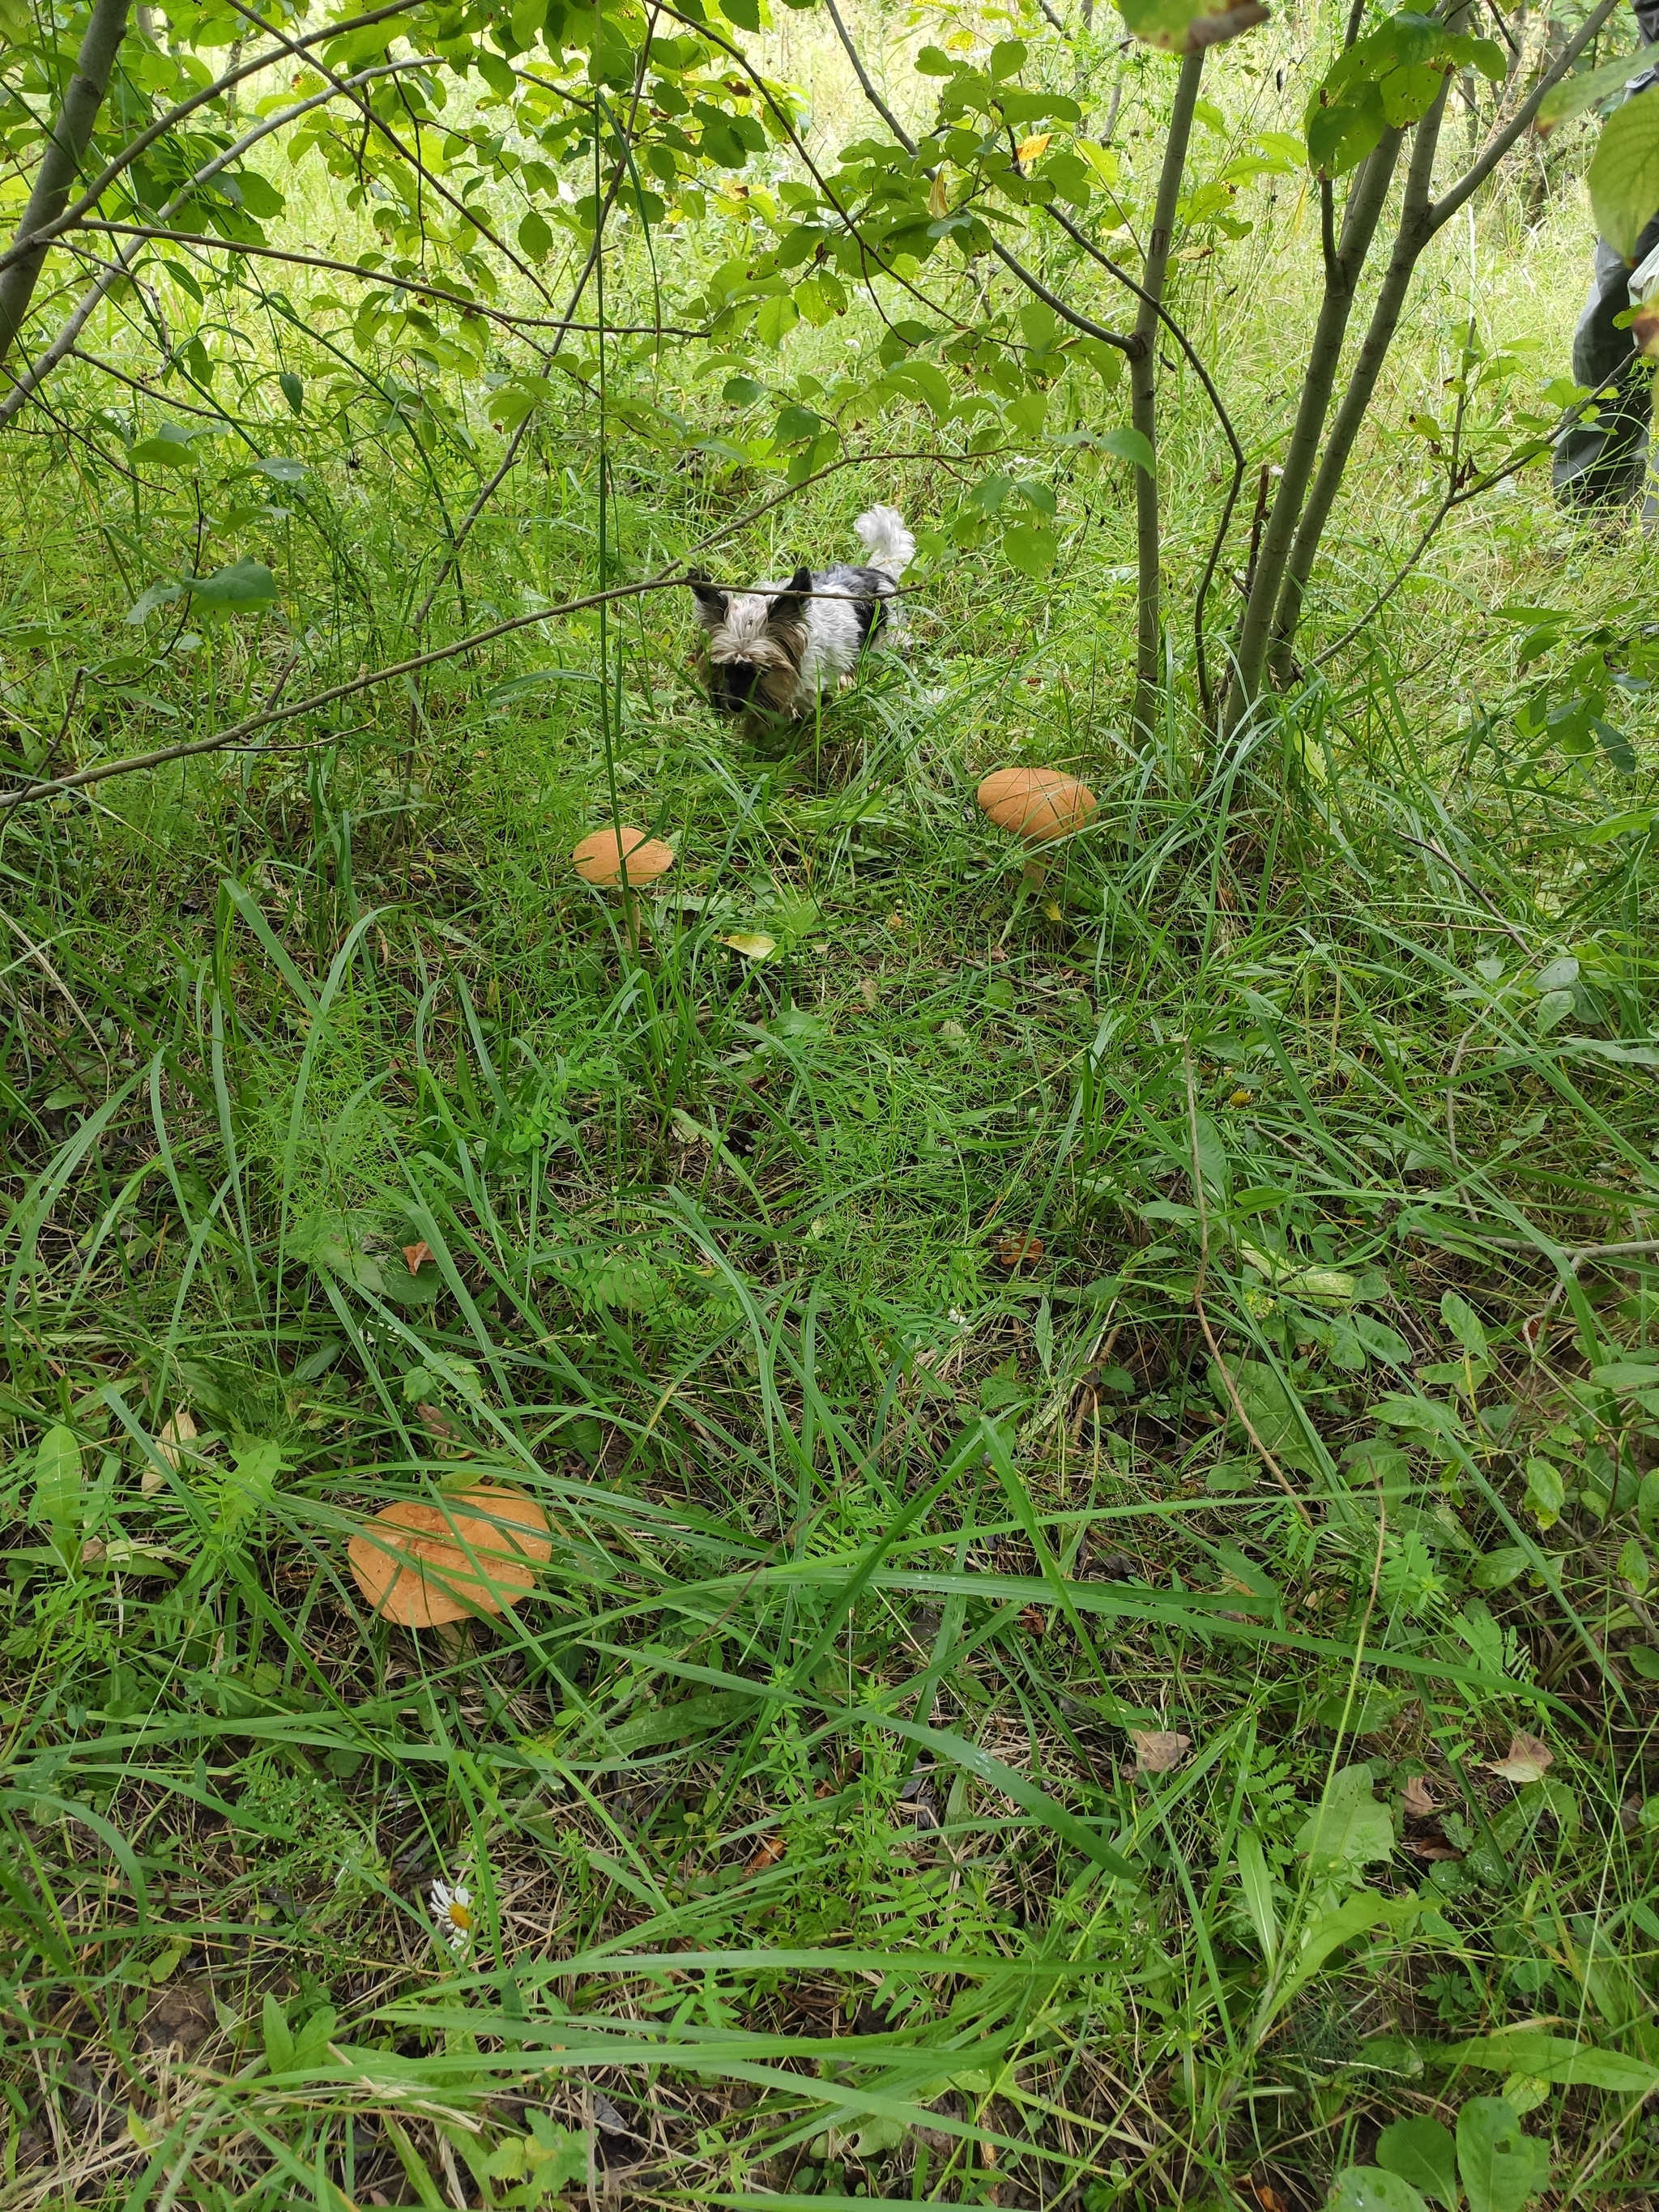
(1499, 2165)
(1131, 445)
(1373, 2189)
(1348, 1829)
(1030, 549)
(1269, 1409)
(1422, 2151)
(166, 592)
(1462, 1319)
(536, 235)
(241, 587)
(1354, 1917)
(1624, 175)
(171, 446)
(777, 318)
(57, 1480)
(292, 391)
(1554, 2059)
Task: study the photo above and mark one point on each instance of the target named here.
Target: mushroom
(1037, 804)
(602, 859)
(422, 1565)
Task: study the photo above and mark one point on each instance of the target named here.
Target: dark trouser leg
(1602, 463)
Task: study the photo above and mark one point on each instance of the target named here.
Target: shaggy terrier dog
(776, 649)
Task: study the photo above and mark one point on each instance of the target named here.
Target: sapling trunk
(1344, 264)
(1418, 225)
(1143, 388)
(60, 164)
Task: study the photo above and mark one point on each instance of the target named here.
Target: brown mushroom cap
(1036, 803)
(421, 1564)
(600, 858)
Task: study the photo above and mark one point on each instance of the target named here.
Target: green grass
(870, 1549)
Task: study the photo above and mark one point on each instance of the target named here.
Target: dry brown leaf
(1158, 1751)
(1020, 1249)
(177, 1431)
(769, 1855)
(433, 1417)
(1267, 2197)
(1431, 1847)
(418, 1256)
(1419, 1800)
(1528, 1759)
(1034, 1620)
(938, 199)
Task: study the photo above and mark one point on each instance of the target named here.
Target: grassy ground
(1073, 1432)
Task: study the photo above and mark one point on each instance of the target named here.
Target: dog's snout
(734, 685)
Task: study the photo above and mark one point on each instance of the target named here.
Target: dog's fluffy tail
(884, 537)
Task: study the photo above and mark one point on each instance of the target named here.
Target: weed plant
(1078, 1423)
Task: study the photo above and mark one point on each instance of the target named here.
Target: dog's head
(755, 644)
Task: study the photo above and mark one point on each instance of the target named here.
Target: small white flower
(452, 1910)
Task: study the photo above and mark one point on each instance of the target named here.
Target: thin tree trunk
(1418, 225)
(1143, 389)
(1365, 202)
(60, 164)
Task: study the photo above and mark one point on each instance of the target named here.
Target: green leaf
(278, 2039)
(258, 195)
(1462, 1319)
(1030, 549)
(1500, 2166)
(173, 446)
(778, 316)
(1551, 2059)
(1255, 1885)
(1131, 445)
(292, 391)
(1270, 1410)
(1372, 2188)
(1575, 93)
(240, 587)
(57, 1482)
(257, 1462)
(535, 235)
(1348, 1829)
(1421, 2151)
(1624, 176)
(1497, 1570)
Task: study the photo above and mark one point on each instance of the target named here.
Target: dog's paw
(847, 681)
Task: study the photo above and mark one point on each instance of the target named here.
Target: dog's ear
(786, 606)
(711, 604)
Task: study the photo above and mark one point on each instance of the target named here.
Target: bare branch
(1496, 147)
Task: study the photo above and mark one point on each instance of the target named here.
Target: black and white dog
(779, 648)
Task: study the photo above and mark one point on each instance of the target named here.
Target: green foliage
(1624, 176)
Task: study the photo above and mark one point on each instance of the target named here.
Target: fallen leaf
(1535, 1332)
(1033, 149)
(434, 1419)
(1419, 1800)
(769, 1855)
(1034, 1620)
(178, 1430)
(1266, 2197)
(1051, 910)
(752, 944)
(1158, 1751)
(1431, 1847)
(1528, 1759)
(418, 1256)
(1242, 1098)
(1019, 1250)
(869, 990)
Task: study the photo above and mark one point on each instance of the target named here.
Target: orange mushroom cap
(421, 1564)
(1036, 802)
(600, 858)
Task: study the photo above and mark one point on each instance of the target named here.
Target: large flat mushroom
(423, 1564)
(1038, 805)
(606, 855)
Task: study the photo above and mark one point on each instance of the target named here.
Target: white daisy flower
(452, 1910)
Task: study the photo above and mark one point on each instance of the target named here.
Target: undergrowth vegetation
(1098, 1433)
